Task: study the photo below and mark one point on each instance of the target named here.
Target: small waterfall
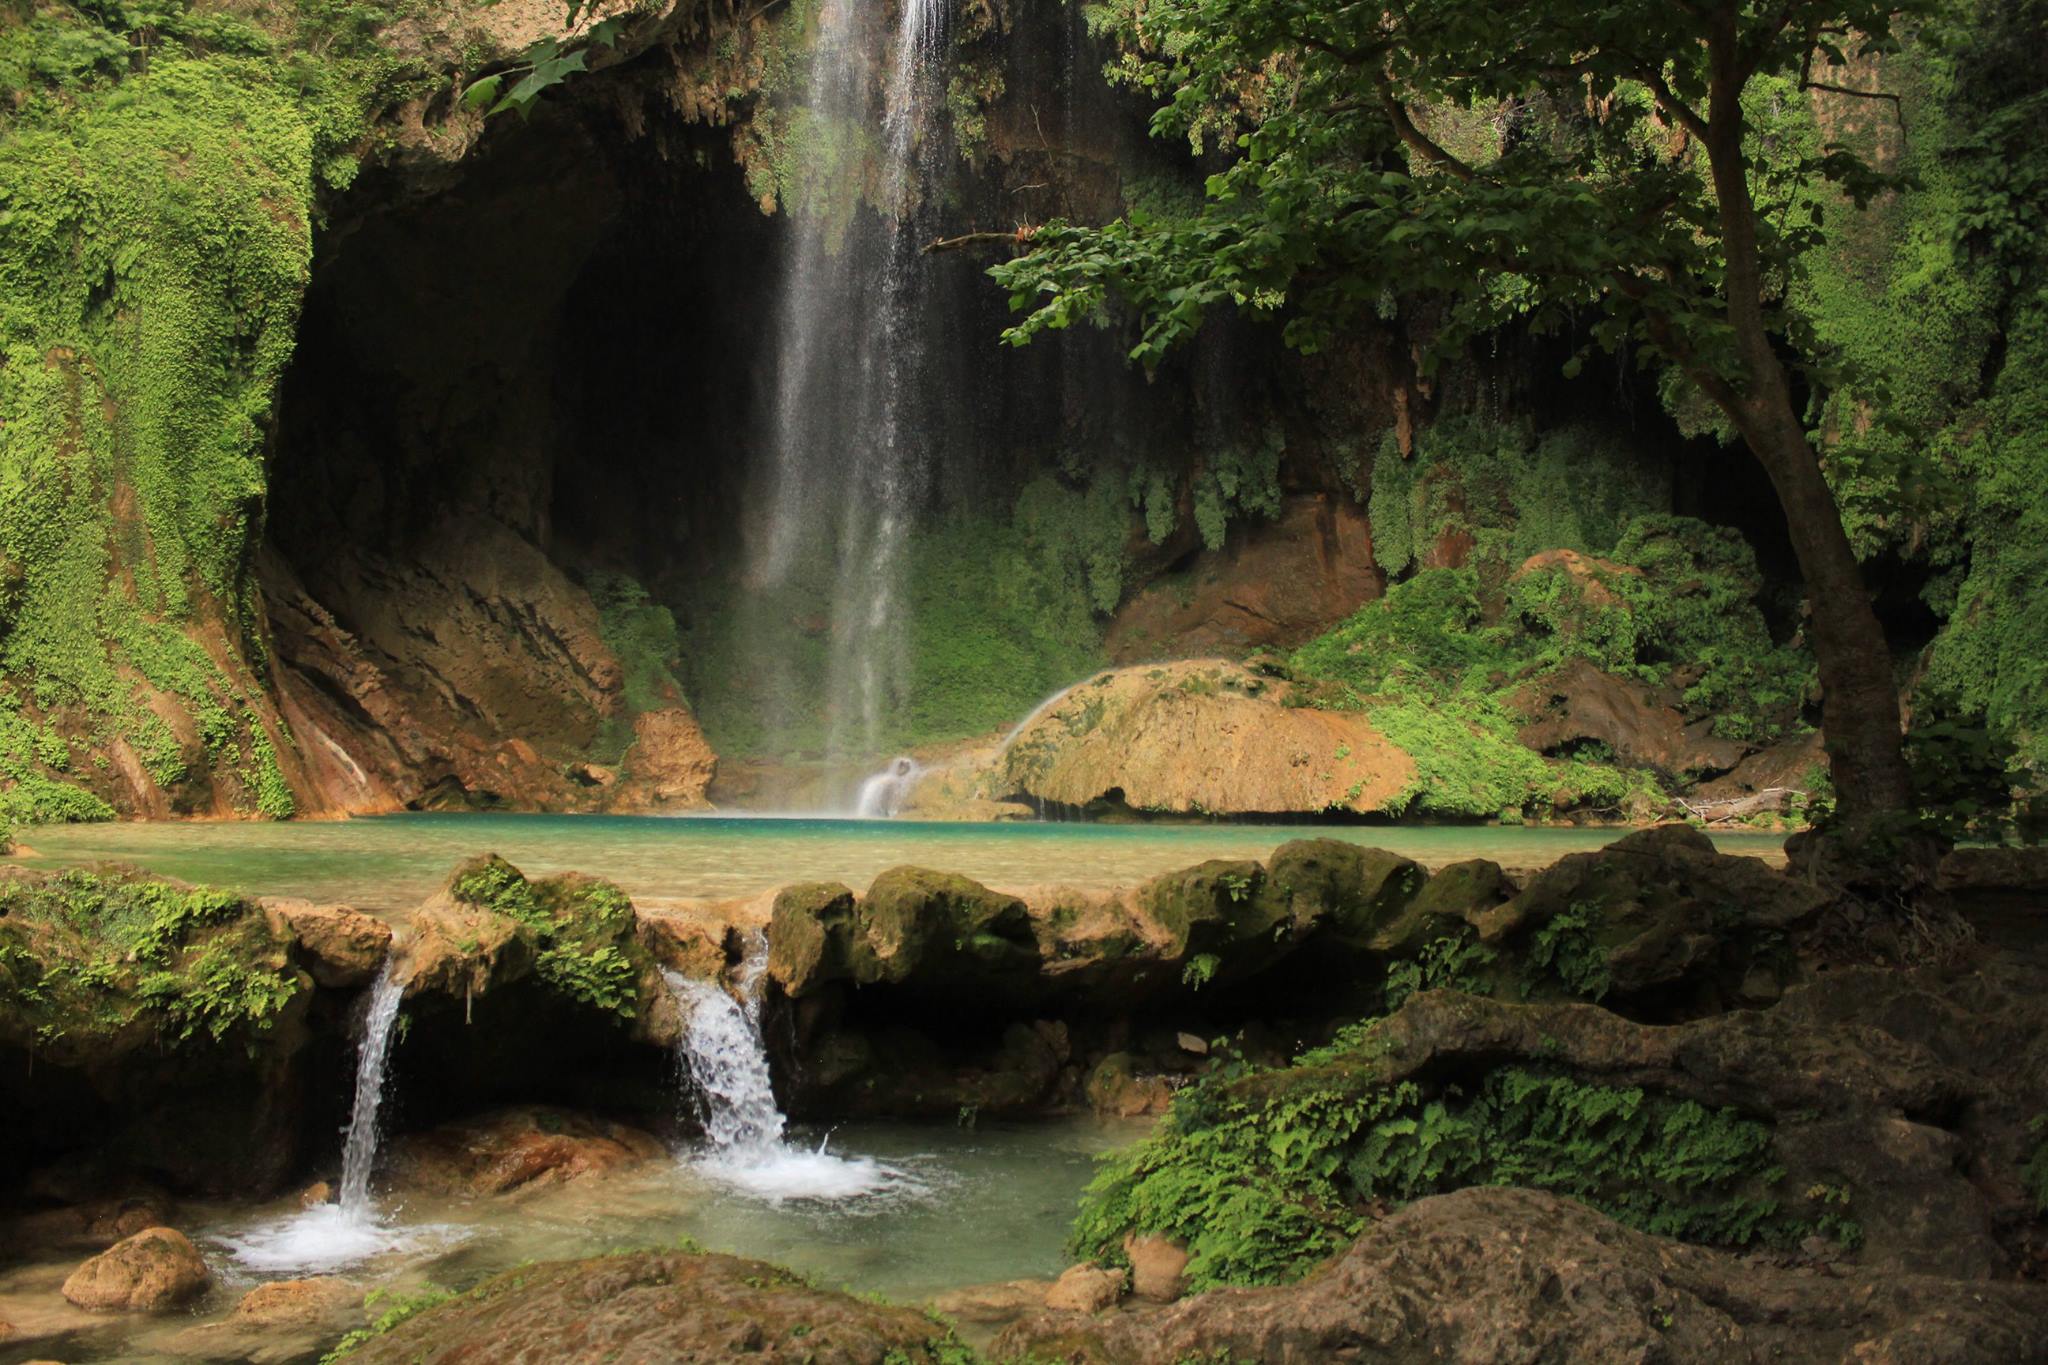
(373, 1055)
(724, 1056)
(330, 1237)
(883, 795)
(723, 1052)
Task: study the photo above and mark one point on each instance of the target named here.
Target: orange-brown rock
(514, 1149)
(97, 1223)
(277, 1323)
(1158, 1267)
(669, 767)
(1085, 1289)
(655, 1306)
(1581, 703)
(1200, 737)
(1275, 583)
(338, 946)
(155, 1270)
(1592, 574)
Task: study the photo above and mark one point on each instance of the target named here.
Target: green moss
(158, 178)
(642, 635)
(583, 928)
(84, 954)
(1262, 1174)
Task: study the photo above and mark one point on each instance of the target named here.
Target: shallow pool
(393, 862)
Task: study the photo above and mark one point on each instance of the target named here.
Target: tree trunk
(1860, 704)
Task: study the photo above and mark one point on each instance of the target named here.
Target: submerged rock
(1085, 1289)
(655, 1306)
(155, 1270)
(1485, 1275)
(277, 1323)
(522, 1148)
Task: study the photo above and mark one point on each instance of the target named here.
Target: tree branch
(1404, 127)
(1020, 237)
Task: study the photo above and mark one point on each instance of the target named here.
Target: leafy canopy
(1510, 161)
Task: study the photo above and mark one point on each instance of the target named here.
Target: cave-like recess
(554, 358)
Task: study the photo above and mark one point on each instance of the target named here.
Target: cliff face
(386, 455)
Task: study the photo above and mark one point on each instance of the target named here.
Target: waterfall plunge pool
(960, 1207)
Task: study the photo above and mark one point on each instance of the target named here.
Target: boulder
(1651, 912)
(94, 1223)
(1492, 1274)
(1158, 1267)
(339, 947)
(522, 1148)
(669, 767)
(1202, 737)
(1085, 1289)
(1356, 890)
(1116, 1089)
(655, 1306)
(810, 937)
(943, 932)
(277, 1323)
(153, 1271)
(1581, 703)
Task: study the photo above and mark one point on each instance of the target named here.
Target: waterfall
(851, 458)
(722, 1053)
(330, 1237)
(359, 1150)
(882, 795)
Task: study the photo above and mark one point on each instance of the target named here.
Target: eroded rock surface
(528, 1147)
(648, 1307)
(1486, 1275)
(155, 1270)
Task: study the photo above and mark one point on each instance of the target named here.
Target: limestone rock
(528, 1147)
(1158, 1267)
(339, 947)
(1489, 1274)
(1661, 907)
(1116, 1089)
(1580, 702)
(653, 1306)
(810, 936)
(1277, 584)
(1200, 737)
(1085, 1289)
(463, 951)
(154, 1270)
(277, 1323)
(669, 767)
(95, 1223)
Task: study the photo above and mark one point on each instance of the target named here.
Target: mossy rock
(1445, 907)
(94, 965)
(1352, 889)
(1212, 907)
(943, 932)
(810, 936)
(491, 927)
(1654, 910)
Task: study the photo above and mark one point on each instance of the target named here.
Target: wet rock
(810, 937)
(316, 1194)
(669, 767)
(1116, 1089)
(1158, 1267)
(95, 1223)
(941, 931)
(1580, 703)
(1356, 890)
(155, 1270)
(463, 951)
(529, 1147)
(1085, 1289)
(277, 1323)
(1485, 1275)
(654, 1306)
(339, 947)
(988, 1306)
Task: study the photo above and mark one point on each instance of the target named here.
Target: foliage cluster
(1262, 1174)
(582, 926)
(1437, 662)
(642, 635)
(84, 953)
